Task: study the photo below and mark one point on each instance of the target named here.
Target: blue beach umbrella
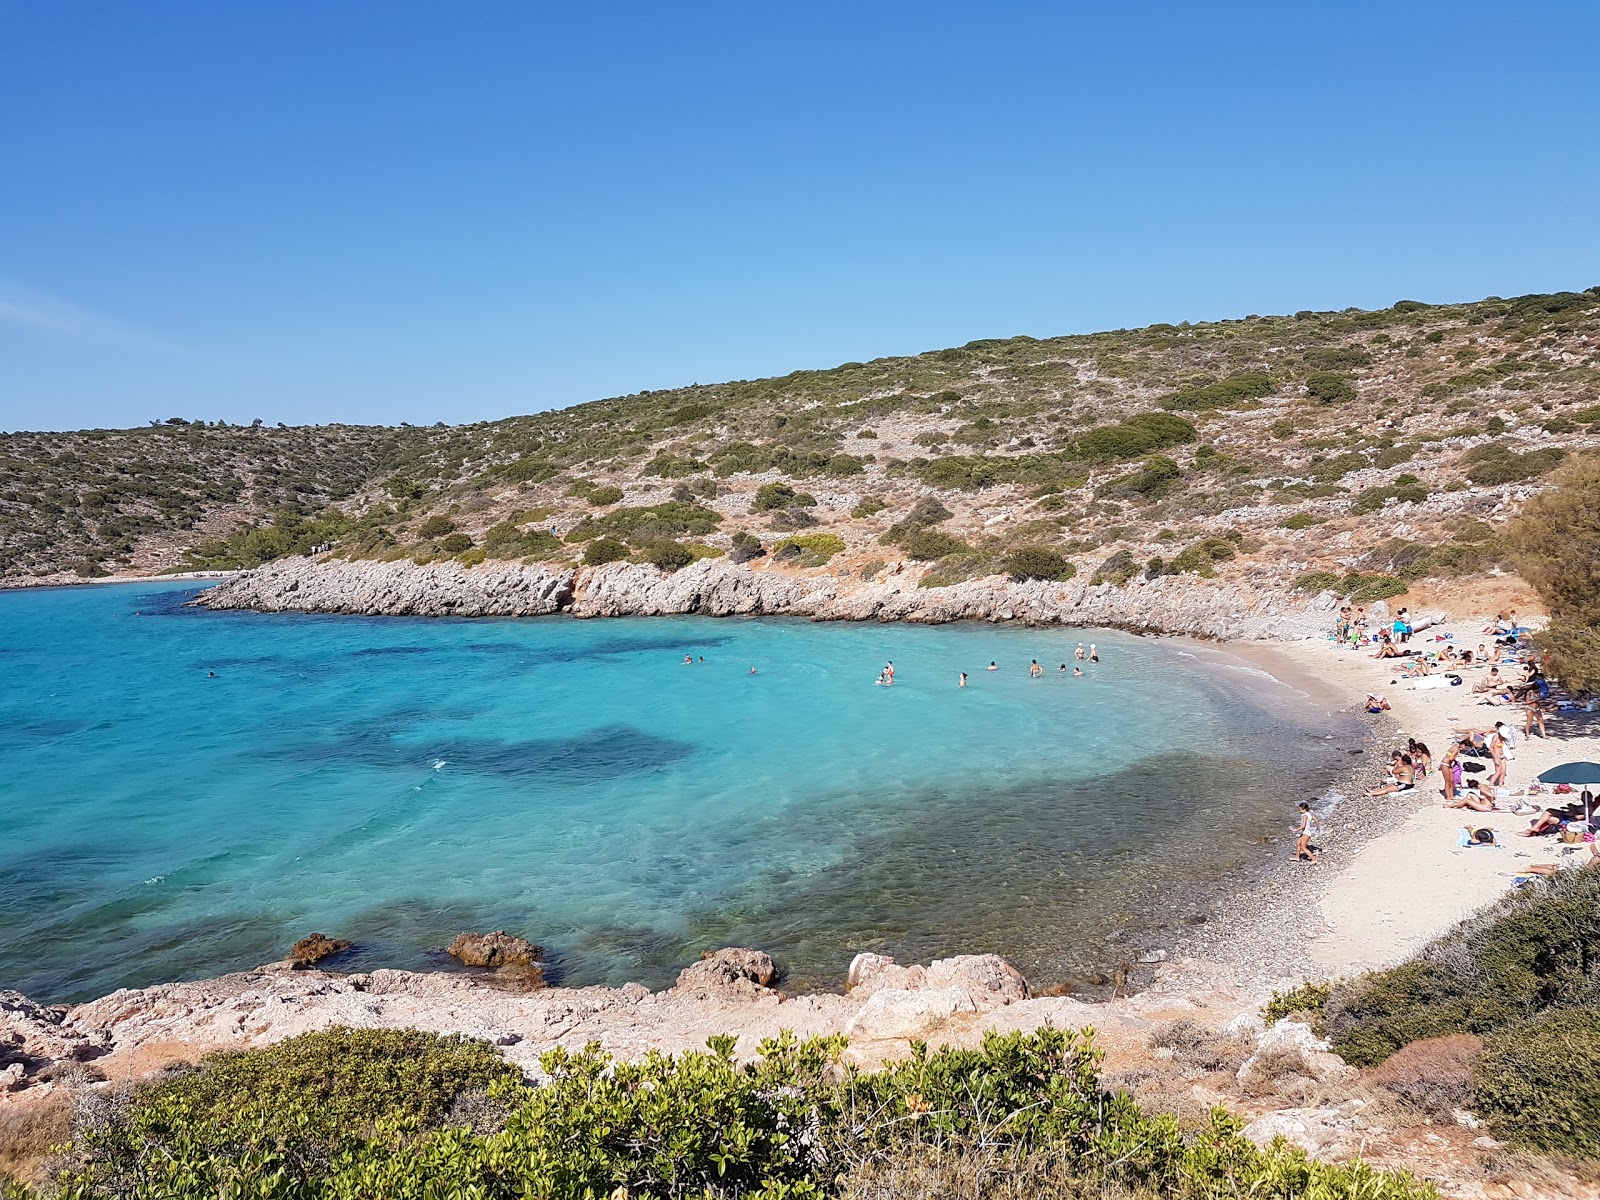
(1578, 774)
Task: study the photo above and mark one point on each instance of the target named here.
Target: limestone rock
(903, 1013)
(315, 948)
(403, 589)
(497, 949)
(727, 972)
(988, 979)
(1290, 1048)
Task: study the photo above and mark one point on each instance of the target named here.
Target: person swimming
(1035, 670)
(688, 660)
(1077, 672)
(1094, 652)
(963, 682)
(1078, 653)
(991, 666)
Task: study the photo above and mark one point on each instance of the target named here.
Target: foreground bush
(409, 1120)
(1538, 1083)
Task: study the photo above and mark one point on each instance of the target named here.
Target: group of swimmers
(1035, 671)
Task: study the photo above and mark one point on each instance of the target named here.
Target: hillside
(1390, 443)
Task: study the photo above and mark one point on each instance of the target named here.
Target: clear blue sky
(403, 211)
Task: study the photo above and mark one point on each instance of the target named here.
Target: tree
(1555, 544)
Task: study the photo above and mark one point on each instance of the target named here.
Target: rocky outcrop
(313, 949)
(719, 588)
(904, 1000)
(729, 972)
(497, 949)
(35, 1037)
(395, 589)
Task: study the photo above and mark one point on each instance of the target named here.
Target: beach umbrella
(1578, 774)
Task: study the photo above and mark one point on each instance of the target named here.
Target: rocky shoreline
(1224, 611)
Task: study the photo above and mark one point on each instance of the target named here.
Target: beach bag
(1571, 833)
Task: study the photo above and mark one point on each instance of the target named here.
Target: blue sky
(386, 212)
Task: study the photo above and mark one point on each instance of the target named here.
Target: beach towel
(1467, 843)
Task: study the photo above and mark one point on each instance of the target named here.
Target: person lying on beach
(1479, 798)
(1402, 778)
(1415, 668)
(1376, 704)
(1551, 868)
(1481, 835)
(1548, 821)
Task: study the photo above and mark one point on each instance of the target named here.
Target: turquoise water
(395, 781)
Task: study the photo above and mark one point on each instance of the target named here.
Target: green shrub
(1307, 998)
(810, 549)
(1538, 1083)
(1199, 557)
(1358, 588)
(1300, 520)
(746, 546)
(604, 550)
(770, 496)
(1329, 387)
(1496, 464)
(1133, 438)
(1336, 358)
(669, 519)
(844, 464)
(867, 506)
(1224, 393)
(668, 555)
(435, 527)
(1156, 477)
(601, 496)
(1117, 568)
(1037, 562)
(673, 466)
(929, 544)
(1373, 499)
(505, 540)
(455, 543)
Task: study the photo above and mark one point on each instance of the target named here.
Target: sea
(185, 793)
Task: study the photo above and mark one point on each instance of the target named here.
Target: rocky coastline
(1219, 610)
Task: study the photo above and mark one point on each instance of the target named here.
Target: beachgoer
(1376, 704)
(1094, 653)
(1402, 778)
(1035, 670)
(211, 674)
(1535, 716)
(991, 666)
(963, 682)
(1421, 757)
(688, 660)
(702, 658)
(752, 670)
(1545, 822)
(1077, 672)
(1078, 653)
(1478, 797)
(1302, 842)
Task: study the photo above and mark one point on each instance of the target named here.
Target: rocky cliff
(719, 588)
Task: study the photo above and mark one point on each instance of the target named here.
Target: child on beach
(1302, 844)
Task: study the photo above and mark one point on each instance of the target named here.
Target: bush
(1117, 569)
(1300, 520)
(1495, 464)
(929, 544)
(1374, 498)
(1224, 393)
(867, 506)
(669, 519)
(1156, 476)
(811, 549)
(1433, 1075)
(1336, 358)
(1538, 1083)
(604, 550)
(1134, 438)
(746, 546)
(1329, 387)
(1307, 998)
(1199, 557)
(669, 556)
(796, 1124)
(771, 496)
(435, 527)
(1037, 562)
(1555, 543)
(455, 543)
(601, 496)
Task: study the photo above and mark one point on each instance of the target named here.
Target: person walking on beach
(1302, 844)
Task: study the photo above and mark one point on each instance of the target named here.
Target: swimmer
(888, 669)
(1062, 667)
(688, 660)
(963, 682)
(211, 674)
(752, 670)
(702, 658)
(1077, 672)
(1078, 653)
(991, 666)
(1035, 670)
(1094, 653)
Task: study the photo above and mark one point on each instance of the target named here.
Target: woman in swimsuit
(1302, 841)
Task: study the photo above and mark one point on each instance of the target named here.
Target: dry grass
(29, 1126)
(1433, 1075)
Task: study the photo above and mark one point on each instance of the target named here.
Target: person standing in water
(1094, 653)
(888, 670)
(992, 667)
(1078, 653)
(1302, 843)
(963, 682)
(1035, 670)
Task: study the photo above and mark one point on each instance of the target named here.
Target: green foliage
(1307, 998)
(796, 1124)
(1405, 488)
(928, 544)
(666, 554)
(506, 540)
(1556, 547)
(604, 550)
(673, 466)
(640, 526)
(1357, 587)
(770, 496)
(1157, 476)
(1133, 438)
(867, 506)
(435, 527)
(1336, 358)
(289, 534)
(746, 546)
(1421, 560)
(1224, 393)
(601, 496)
(1118, 568)
(1300, 520)
(455, 543)
(1496, 463)
(1329, 387)
(1038, 562)
(1535, 950)
(1538, 1083)
(809, 549)
(1199, 557)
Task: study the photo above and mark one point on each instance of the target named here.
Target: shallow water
(395, 781)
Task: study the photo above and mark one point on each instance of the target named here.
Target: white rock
(902, 1013)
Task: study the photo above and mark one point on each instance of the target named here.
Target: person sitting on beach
(1403, 778)
(1376, 703)
(1548, 821)
(1479, 798)
(1421, 757)
(1490, 682)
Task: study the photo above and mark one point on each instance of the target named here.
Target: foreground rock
(497, 949)
(313, 949)
(720, 588)
(728, 972)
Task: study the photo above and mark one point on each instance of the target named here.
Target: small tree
(604, 550)
(1555, 544)
(1038, 562)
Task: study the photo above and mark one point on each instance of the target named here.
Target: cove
(187, 792)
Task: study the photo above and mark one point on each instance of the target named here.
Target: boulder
(315, 948)
(989, 980)
(904, 1013)
(732, 971)
(497, 949)
(1290, 1048)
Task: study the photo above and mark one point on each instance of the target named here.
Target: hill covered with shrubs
(1366, 448)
